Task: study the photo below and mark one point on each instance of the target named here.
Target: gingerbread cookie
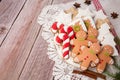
(89, 22)
(88, 55)
(105, 58)
(92, 31)
(79, 41)
(92, 34)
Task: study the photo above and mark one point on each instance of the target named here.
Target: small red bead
(87, 56)
(84, 58)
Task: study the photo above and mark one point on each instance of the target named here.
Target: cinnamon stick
(96, 74)
(86, 74)
(90, 74)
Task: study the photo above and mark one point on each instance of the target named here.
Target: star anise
(114, 15)
(88, 2)
(77, 5)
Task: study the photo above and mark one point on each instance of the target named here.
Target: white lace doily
(61, 70)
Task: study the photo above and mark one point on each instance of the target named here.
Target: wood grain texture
(38, 66)
(61, 1)
(9, 10)
(19, 42)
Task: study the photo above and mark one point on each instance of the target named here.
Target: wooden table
(22, 49)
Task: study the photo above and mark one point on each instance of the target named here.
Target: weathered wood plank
(19, 42)
(61, 1)
(38, 66)
(9, 10)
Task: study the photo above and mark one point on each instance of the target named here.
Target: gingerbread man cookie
(105, 58)
(92, 31)
(92, 34)
(79, 41)
(88, 55)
